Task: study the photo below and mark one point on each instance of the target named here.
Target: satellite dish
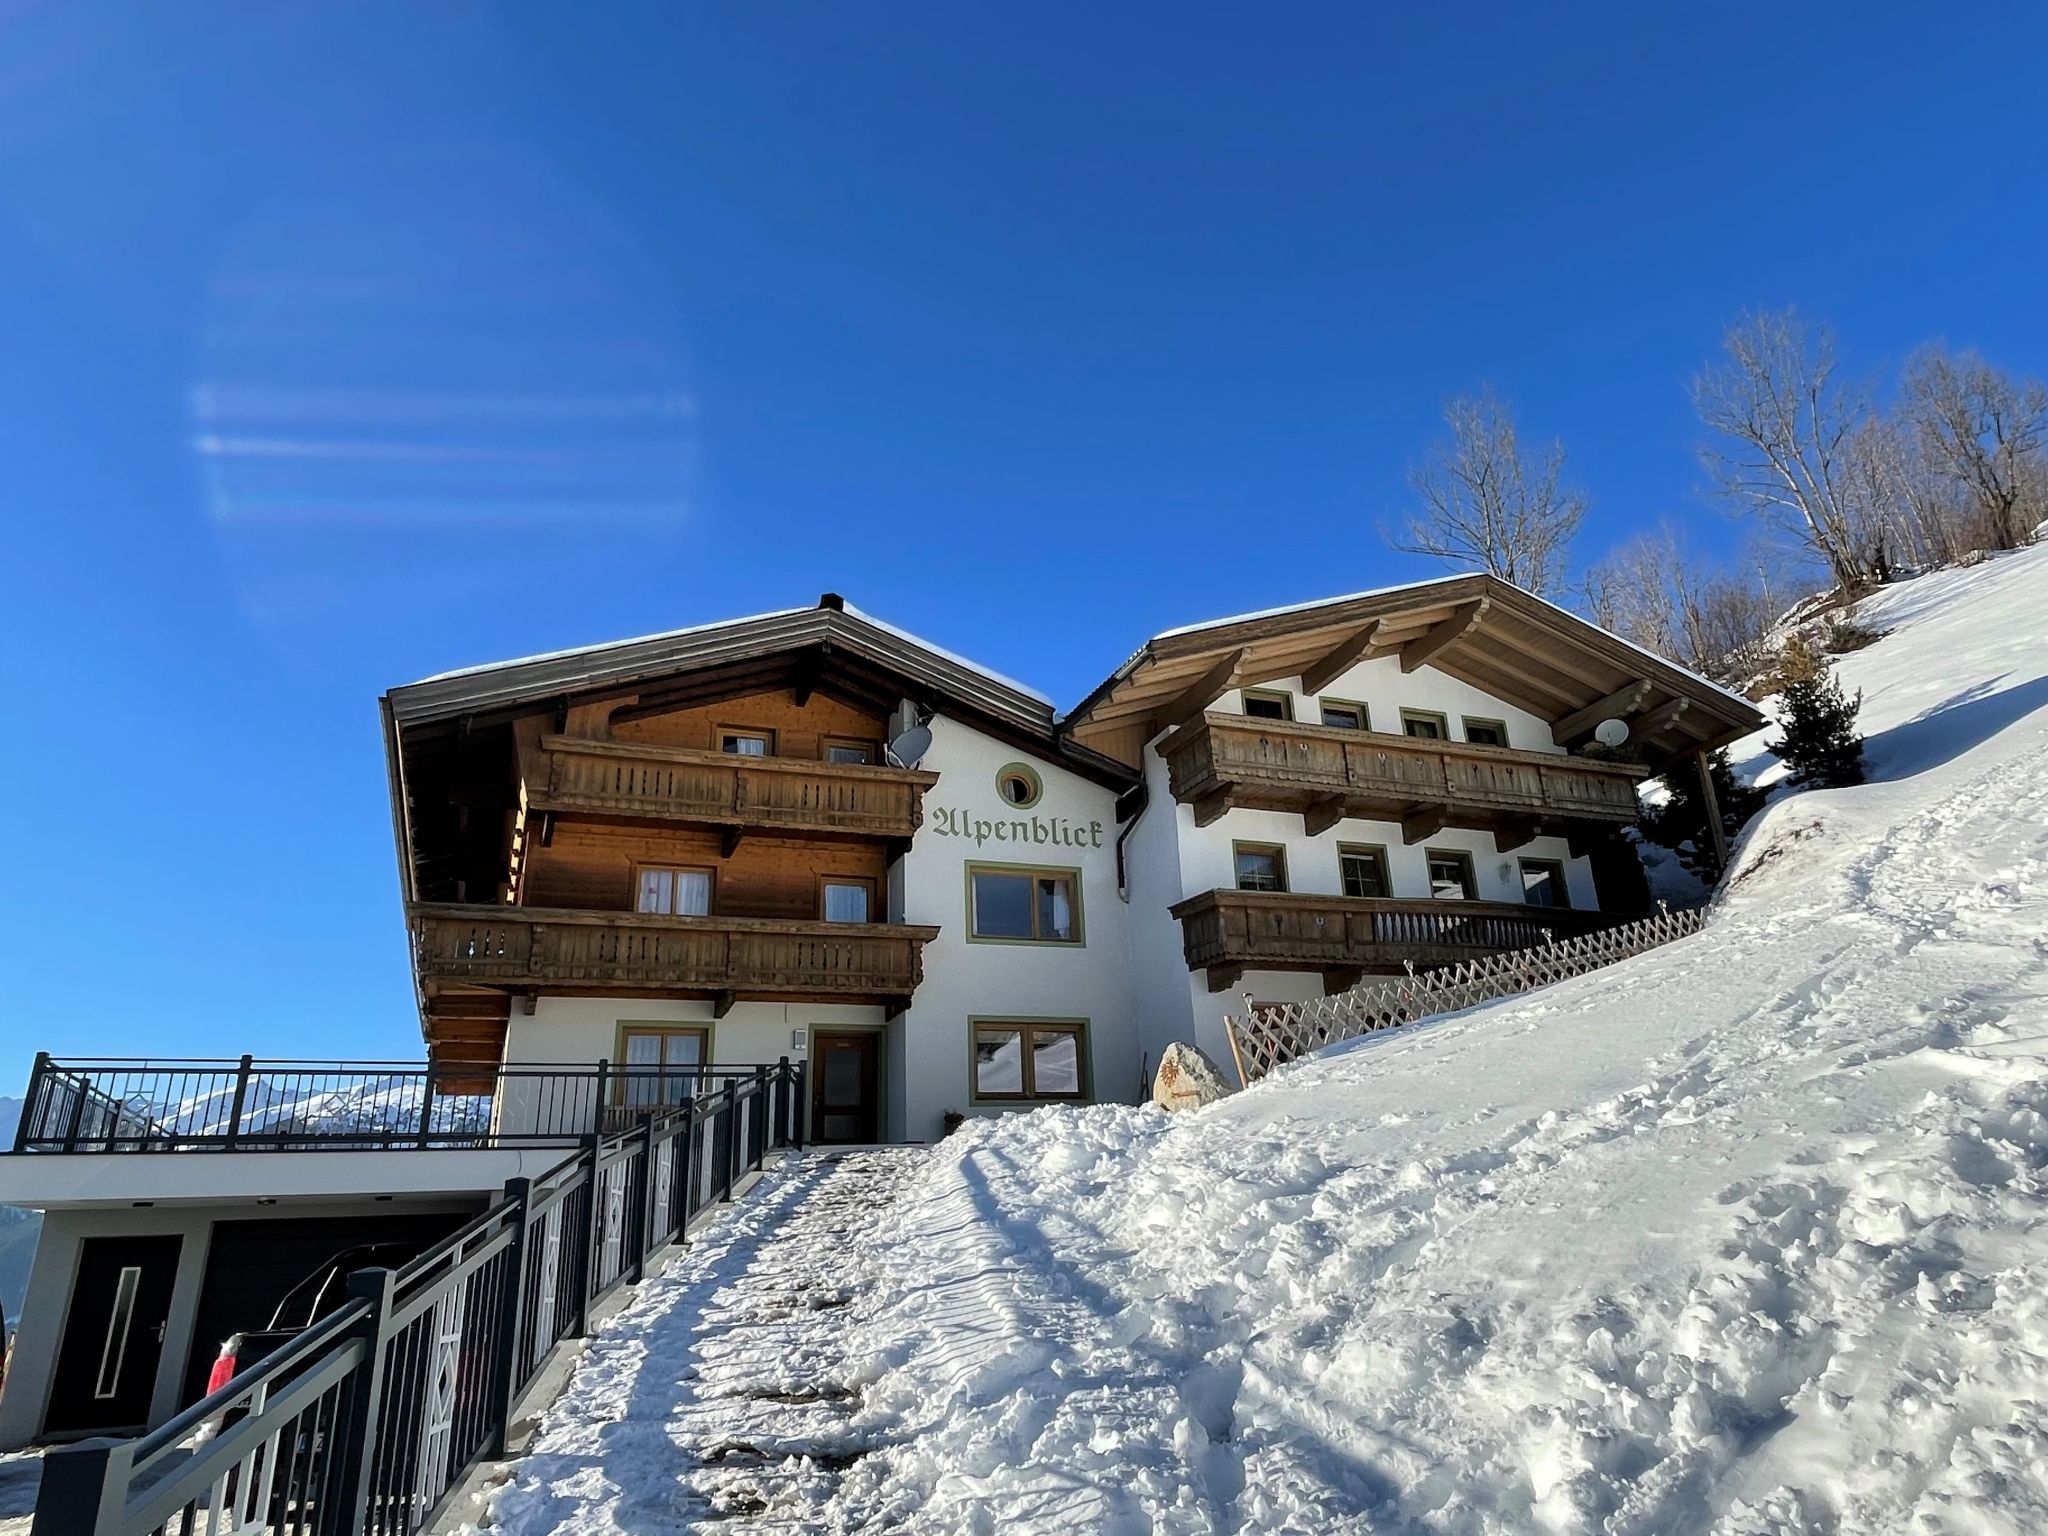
(908, 750)
(1611, 733)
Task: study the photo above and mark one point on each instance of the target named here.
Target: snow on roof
(940, 651)
(1413, 586)
(953, 656)
(604, 645)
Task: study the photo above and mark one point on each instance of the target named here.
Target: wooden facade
(1325, 773)
(601, 795)
(1227, 933)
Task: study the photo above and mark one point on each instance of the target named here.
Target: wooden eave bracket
(1441, 636)
(1618, 705)
(1192, 700)
(1333, 663)
(1420, 824)
(1321, 814)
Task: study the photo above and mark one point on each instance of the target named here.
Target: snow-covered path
(720, 1398)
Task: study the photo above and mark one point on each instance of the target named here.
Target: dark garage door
(251, 1265)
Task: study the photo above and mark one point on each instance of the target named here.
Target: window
(1363, 870)
(1260, 866)
(1543, 883)
(674, 892)
(1486, 733)
(1426, 724)
(840, 751)
(1268, 706)
(745, 743)
(1345, 715)
(1029, 1059)
(1450, 876)
(846, 898)
(1015, 904)
(1019, 785)
(660, 1064)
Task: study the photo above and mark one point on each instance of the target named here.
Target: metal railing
(1264, 1038)
(84, 1104)
(367, 1422)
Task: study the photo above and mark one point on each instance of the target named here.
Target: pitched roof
(1474, 627)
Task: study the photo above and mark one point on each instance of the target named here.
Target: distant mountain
(18, 1229)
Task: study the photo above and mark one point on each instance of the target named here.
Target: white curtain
(1062, 913)
(693, 893)
(846, 903)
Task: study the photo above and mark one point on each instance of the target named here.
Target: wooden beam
(1341, 978)
(1713, 810)
(1513, 832)
(1662, 718)
(729, 841)
(1618, 705)
(1420, 824)
(1435, 639)
(1328, 667)
(1211, 807)
(722, 1003)
(1191, 701)
(1321, 814)
(1494, 671)
(1223, 977)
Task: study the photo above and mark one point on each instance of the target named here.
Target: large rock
(1187, 1079)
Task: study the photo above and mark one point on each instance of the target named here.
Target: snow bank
(1744, 1236)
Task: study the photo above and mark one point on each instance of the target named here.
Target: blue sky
(347, 347)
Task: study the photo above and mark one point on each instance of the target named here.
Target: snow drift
(1743, 1236)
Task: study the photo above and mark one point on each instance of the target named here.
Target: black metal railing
(366, 1424)
(88, 1104)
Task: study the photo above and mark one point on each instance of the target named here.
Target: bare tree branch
(1486, 502)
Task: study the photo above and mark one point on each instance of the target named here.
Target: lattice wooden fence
(1264, 1038)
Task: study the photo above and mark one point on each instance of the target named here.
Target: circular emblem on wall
(1019, 785)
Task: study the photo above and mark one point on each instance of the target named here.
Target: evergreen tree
(1680, 823)
(1821, 745)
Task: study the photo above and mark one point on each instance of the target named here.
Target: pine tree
(1821, 745)
(1680, 823)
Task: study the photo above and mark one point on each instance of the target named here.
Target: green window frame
(1551, 870)
(1497, 728)
(1446, 865)
(1425, 725)
(1325, 707)
(1352, 859)
(1281, 704)
(1027, 1052)
(1051, 887)
(1240, 852)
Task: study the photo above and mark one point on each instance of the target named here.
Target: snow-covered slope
(1744, 1236)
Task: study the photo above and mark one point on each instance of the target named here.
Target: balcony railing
(1228, 933)
(110, 1105)
(1224, 760)
(653, 783)
(534, 947)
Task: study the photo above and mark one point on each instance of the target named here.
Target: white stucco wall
(967, 822)
(1172, 858)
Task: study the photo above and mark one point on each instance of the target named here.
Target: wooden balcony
(1326, 774)
(530, 950)
(575, 775)
(1228, 933)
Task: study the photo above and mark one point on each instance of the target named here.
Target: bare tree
(1988, 432)
(1487, 502)
(1783, 419)
(1653, 591)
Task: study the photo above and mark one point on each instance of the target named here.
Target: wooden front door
(113, 1334)
(846, 1083)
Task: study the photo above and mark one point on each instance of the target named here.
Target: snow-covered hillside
(1744, 1236)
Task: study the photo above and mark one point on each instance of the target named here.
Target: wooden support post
(505, 1381)
(1715, 831)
